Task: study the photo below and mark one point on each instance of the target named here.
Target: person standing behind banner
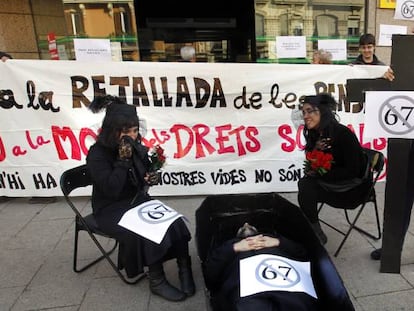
(367, 55)
(325, 137)
(322, 56)
(188, 53)
(222, 272)
(4, 56)
(120, 169)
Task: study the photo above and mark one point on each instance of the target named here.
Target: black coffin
(219, 216)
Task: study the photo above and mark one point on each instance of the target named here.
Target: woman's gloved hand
(152, 178)
(324, 144)
(125, 148)
(311, 173)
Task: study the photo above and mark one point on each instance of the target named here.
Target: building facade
(229, 31)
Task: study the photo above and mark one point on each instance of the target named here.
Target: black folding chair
(70, 180)
(375, 166)
(219, 217)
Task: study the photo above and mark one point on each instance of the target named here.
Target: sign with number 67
(389, 114)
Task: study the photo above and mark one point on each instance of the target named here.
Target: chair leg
(328, 224)
(378, 235)
(113, 265)
(320, 207)
(331, 226)
(90, 264)
(353, 226)
(106, 255)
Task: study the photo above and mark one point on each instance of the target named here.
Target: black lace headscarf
(326, 105)
(119, 116)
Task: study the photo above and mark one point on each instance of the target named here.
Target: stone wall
(376, 17)
(25, 23)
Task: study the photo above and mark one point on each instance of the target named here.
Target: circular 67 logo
(156, 212)
(277, 273)
(407, 9)
(396, 115)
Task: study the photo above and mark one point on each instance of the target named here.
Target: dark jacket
(349, 159)
(360, 61)
(117, 185)
(343, 185)
(221, 270)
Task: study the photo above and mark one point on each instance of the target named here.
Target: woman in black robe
(121, 174)
(345, 181)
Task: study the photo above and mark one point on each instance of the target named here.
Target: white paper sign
(150, 219)
(386, 32)
(290, 46)
(266, 272)
(389, 114)
(96, 50)
(116, 51)
(337, 48)
(62, 52)
(404, 9)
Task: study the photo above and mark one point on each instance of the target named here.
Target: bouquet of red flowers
(157, 158)
(318, 162)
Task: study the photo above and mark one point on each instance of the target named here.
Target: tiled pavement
(36, 264)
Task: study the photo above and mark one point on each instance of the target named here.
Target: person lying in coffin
(256, 271)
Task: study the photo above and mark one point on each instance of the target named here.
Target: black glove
(125, 148)
(153, 178)
(324, 144)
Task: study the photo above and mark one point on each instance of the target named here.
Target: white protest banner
(225, 128)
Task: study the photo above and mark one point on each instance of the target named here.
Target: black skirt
(135, 251)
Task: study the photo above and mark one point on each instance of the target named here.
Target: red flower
(318, 162)
(157, 158)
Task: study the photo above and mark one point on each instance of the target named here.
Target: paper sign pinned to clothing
(267, 272)
(150, 220)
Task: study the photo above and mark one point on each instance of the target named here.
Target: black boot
(160, 286)
(319, 233)
(376, 254)
(186, 275)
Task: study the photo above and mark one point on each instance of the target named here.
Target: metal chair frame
(70, 180)
(376, 162)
